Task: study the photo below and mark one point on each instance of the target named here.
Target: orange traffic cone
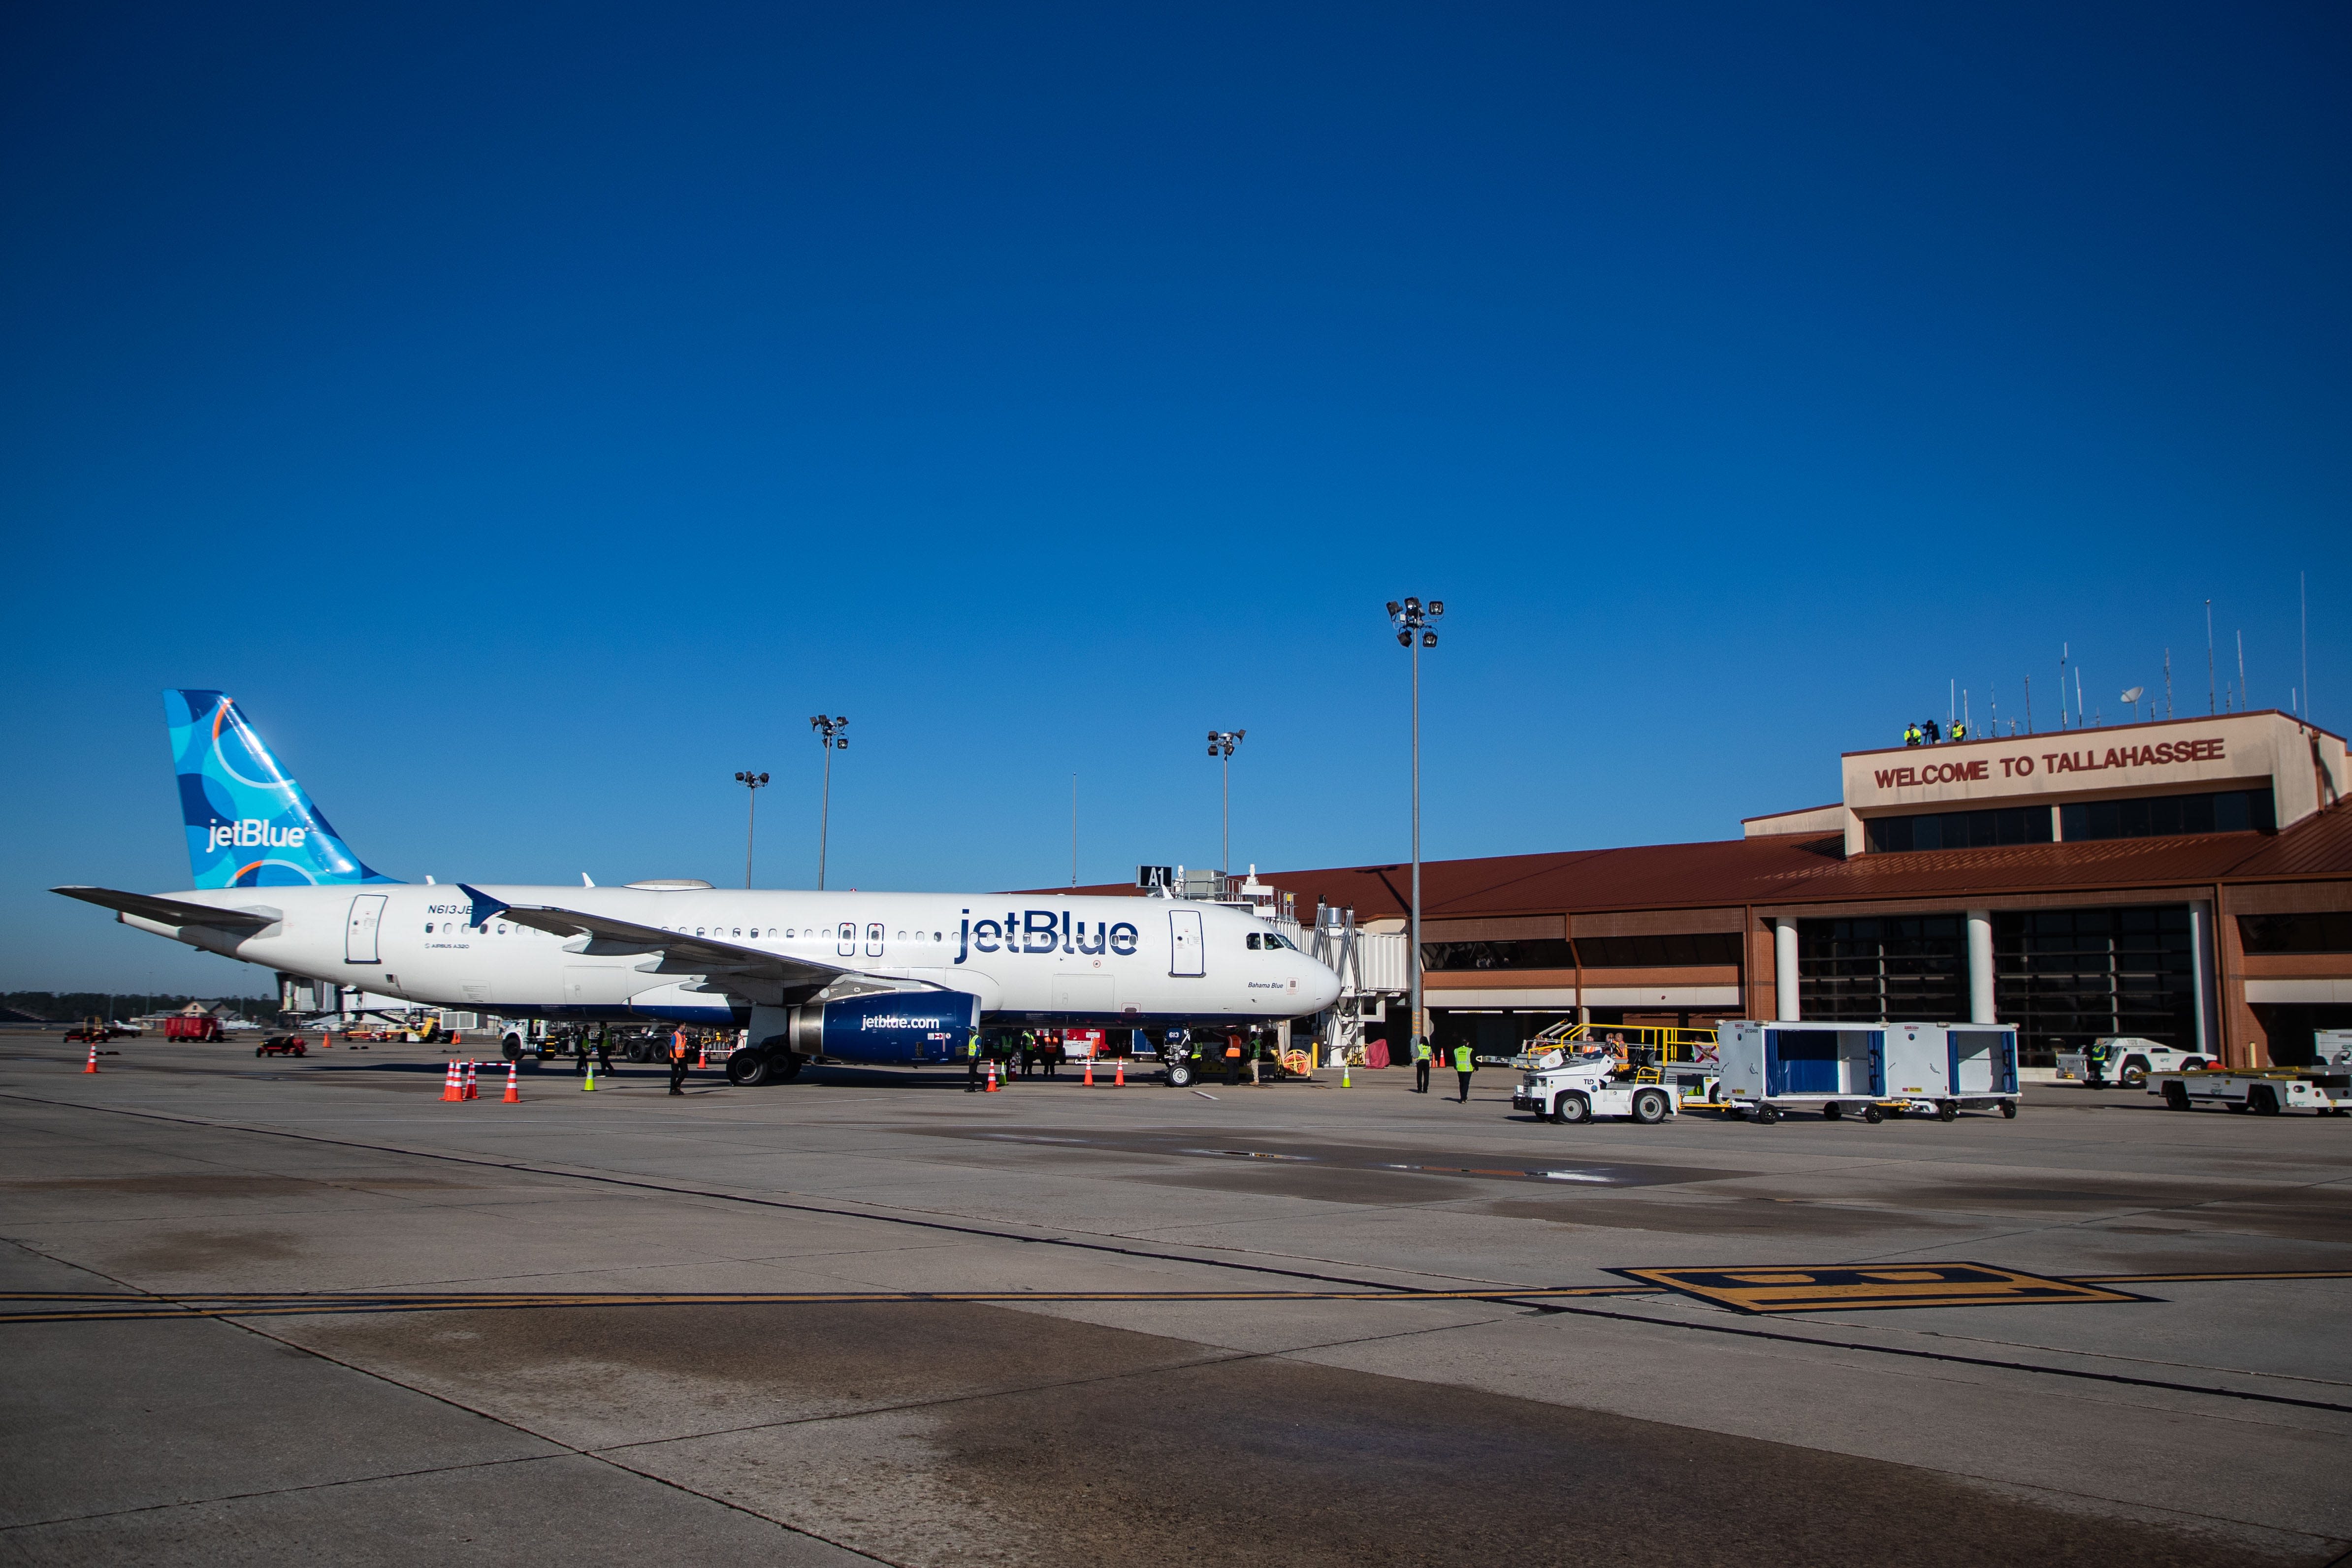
(452, 1086)
(514, 1085)
(702, 1058)
(472, 1092)
(1120, 1081)
(1090, 1071)
(92, 1065)
(992, 1077)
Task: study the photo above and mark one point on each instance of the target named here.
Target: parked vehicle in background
(2125, 1059)
(2266, 1092)
(283, 1045)
(97, 1031)
(197, 1026)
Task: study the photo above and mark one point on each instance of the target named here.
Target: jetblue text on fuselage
(1040, 931)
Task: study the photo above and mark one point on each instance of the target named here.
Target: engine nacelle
(886, 1027)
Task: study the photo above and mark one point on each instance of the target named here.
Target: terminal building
(2189, 880)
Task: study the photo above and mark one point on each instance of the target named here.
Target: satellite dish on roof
(2132, 695)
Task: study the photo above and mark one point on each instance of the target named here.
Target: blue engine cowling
(899, 1026)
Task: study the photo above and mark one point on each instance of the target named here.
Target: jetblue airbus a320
(858, 977)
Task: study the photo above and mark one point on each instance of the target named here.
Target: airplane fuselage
(1060, 961)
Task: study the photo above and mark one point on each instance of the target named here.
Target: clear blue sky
(533, 413)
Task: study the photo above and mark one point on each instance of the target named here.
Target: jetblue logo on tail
(248, 824)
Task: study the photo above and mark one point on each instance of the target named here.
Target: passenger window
(739, 931)
(428, 928)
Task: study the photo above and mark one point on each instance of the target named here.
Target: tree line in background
(72, 1007)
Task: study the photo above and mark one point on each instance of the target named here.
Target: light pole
(752, 783)
(829, 735)
(1411, 621)
(1221, 743)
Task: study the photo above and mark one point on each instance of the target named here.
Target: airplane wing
(170, 911)
(700, 954)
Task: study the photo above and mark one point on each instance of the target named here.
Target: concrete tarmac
(2194, 1422)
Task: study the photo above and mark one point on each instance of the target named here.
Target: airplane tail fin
(248, 824)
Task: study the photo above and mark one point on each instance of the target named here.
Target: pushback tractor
(1872, 1070)
(1577, 1081)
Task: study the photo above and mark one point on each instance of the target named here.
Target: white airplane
(856, 977)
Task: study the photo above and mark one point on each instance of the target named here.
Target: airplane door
(874, 941)
(845, 940)
(359, 937)
(1185, 956)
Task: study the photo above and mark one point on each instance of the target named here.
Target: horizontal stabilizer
(171, 911)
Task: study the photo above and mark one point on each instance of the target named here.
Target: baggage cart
(1873, 1069)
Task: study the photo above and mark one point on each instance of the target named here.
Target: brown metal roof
(1801, 870)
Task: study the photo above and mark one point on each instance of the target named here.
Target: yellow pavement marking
(1843, 1286)
(1762, 1289)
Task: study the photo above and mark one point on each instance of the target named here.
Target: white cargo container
(1874, 1068)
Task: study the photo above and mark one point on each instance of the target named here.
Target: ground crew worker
(1233, 1059)
(580, 1053)
(972, 1055)
(1463, 1066)
(677, 1062)
(603, 1050)
(1419, 1065)
(1256, 1055)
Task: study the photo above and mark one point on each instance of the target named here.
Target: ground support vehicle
(97, 1033)
(1872, 1069)
(1683, 1060)
(2265, 1092)
(1185, 1060)
(1571, 1086)
(202, 1026)
(2125, 1059)
(282, 1045)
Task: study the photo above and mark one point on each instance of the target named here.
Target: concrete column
(1784, 968)
(1980, 991)
(2202, 973)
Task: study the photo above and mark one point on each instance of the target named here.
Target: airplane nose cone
(1324, 987)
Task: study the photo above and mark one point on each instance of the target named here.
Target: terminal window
(1533, 953)
(1899, 967)
(2163, 816)
(1959, 830)
(2066, 977)
(2328, 932)
(1671, 950)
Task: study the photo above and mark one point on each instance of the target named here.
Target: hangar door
(1184, 955)
(359, 938)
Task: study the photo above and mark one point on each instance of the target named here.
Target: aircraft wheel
(747, 1069)
(785, 1066)
(1179, 1075)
